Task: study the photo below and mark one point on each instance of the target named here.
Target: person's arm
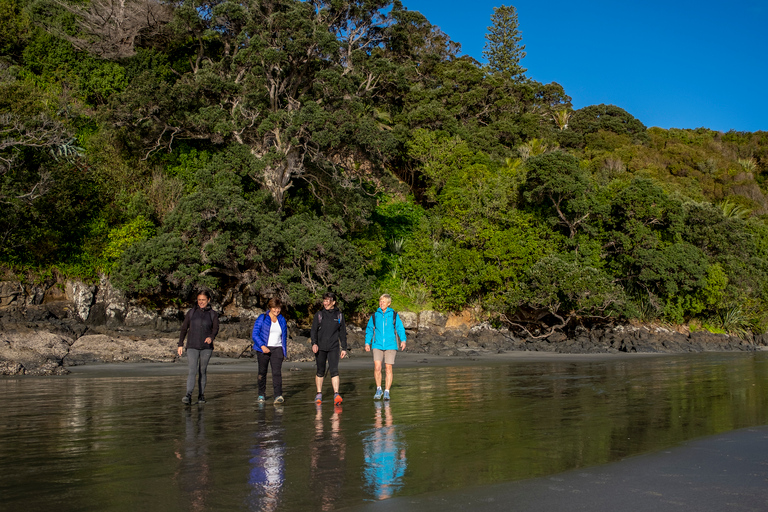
(369, 334)
(343, 336)
(284, 326)
(256, 333)
(183, 334)
(215, 328)
(400, 331)
(313, 334)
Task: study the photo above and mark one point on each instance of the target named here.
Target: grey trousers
(198, 364)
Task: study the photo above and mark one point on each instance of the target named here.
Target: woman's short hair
(274, 302)
(329, 295)
(386, 296)
(204, 292)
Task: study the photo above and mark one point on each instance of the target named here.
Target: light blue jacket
(383, 336)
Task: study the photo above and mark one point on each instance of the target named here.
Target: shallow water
(127, 443)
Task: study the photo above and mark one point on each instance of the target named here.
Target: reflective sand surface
(87, 442)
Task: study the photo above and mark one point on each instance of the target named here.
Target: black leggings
(333, 362)
(275, 358)
(198, 364)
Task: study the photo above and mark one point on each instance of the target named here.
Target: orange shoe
(337, 399)
(319, 398)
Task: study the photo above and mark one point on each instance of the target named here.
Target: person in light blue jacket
(384, 334)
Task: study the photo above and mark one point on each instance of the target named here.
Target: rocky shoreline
(46, 329)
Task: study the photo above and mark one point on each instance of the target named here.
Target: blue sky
(673, 64)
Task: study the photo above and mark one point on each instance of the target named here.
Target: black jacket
(328, 330)
(198, 325)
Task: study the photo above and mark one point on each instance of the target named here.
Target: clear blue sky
(672, 64)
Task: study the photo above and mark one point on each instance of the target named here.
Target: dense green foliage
(289, 147)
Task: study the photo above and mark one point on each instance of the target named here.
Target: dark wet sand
(358, 360)
(720, 473)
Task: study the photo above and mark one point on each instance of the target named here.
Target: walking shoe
(386, 394)
(378, 394)
(261, 399)
(187, 399)
(337, 399)
(319, 398)
(201, 399)
(279, 399)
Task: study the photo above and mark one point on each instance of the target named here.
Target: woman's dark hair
(204, 292)
(274, 302)
(329, 295)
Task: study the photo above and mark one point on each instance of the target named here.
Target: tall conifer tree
(502, 48)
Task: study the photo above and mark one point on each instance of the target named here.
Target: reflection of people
(327, 460)
(270, 335)
(267, 475)
(381, 334)
(200, 327)
(328, 334)
(194, 472)
(385, 460)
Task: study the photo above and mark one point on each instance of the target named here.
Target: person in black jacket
(328, 335)
(200, 327)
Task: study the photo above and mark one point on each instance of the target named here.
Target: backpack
(320, 319)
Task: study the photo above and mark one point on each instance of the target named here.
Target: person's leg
(389, 376)
(320, 359)
(262, 379)
(205, 356)
(377, 373)
(193, 358)
(277, 368)
(333, 369)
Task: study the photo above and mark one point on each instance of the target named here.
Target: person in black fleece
(200, 327)
(328, 335)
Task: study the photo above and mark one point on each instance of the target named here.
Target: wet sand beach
(724, 472)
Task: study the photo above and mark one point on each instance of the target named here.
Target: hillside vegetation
(289, 147)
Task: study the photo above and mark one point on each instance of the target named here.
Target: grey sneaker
(319, 398)
(378, 394)
(386, 394)
(187, 399)
(279, 399)
(261, 399)
(201, 399)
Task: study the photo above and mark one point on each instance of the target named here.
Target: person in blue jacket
(270, 341)
(382, 334)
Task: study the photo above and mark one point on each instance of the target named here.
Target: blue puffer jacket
(260, 334)
(383, 336)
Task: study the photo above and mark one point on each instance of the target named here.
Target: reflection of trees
(193, 475)
(267, 474)
(385, 460)
(327, 464)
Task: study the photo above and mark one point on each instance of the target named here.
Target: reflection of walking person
(328, 334)
(200, 327)
(385, 460)
(381, 334)
(194, 472)
(327, 460)
(270, 335)
(267, 475)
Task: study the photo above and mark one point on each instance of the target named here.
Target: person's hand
(367, 347)
(314, 349)
(402, 346)
(265, 349)
(343, 354)
(180, 351)
(208, 340)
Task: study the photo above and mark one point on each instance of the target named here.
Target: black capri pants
(332, 356)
